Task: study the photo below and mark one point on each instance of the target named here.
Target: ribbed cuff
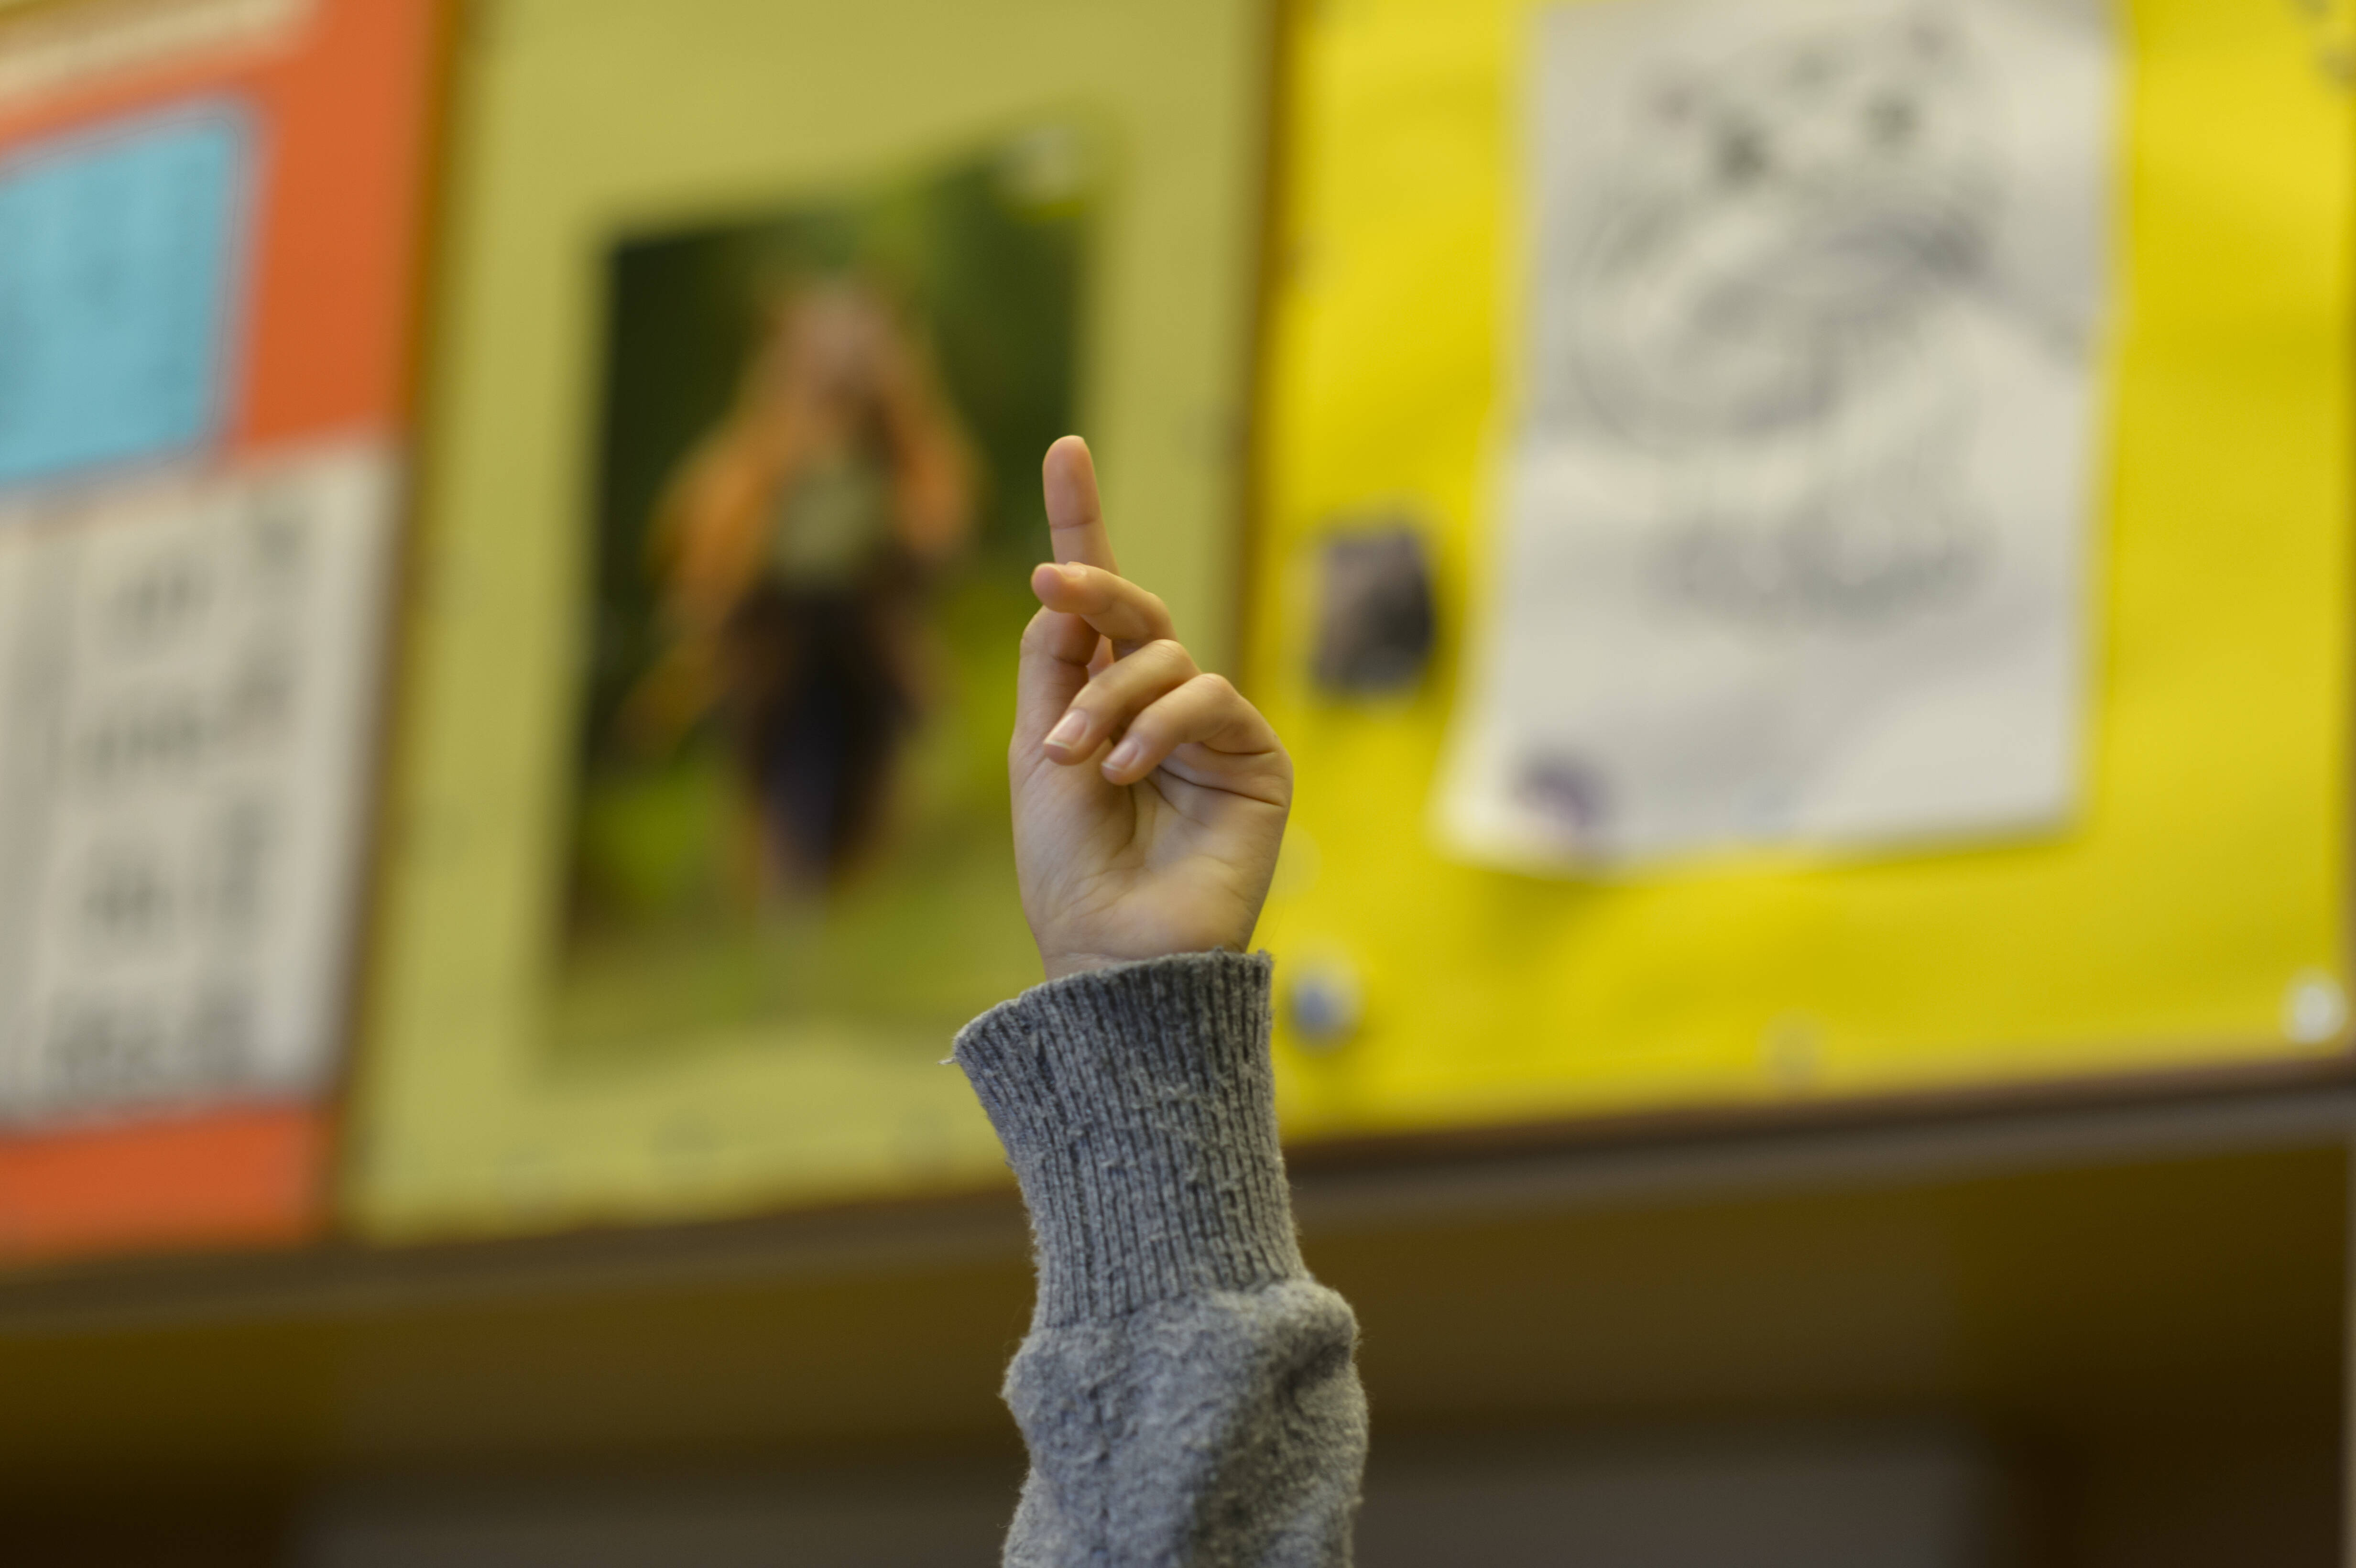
(1137, 1109)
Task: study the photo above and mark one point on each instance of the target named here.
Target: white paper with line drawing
(1794, 532)
(187, 676)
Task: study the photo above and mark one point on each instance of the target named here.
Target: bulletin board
(2187, 911)
(545, 1045)
(211, 235)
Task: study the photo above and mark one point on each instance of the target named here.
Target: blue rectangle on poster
(118, 256)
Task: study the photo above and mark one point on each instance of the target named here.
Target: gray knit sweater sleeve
(1186, 1389)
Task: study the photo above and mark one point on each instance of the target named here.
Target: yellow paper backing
(2204, 874)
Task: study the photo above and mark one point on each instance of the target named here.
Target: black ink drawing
(1794, 528)
(1754, 300)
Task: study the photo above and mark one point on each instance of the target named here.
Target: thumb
(1056, 648)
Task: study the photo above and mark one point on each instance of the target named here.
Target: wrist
(1062, 965)
(1137, 1107)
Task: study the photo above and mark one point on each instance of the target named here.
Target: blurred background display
(1791, 547)
(1801, 549)
(725, 566)
(817, 508)
(1884, 472)
(195, 663)
(210, 224)
(122, 282)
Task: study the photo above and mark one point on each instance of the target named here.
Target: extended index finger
(1075, 516)
(1105, 600)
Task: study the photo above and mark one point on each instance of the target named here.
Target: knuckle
(1105, 689)
(1169, 655)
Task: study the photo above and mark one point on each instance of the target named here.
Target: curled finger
(1113, 699)
(1208, 710)
(1115, 606)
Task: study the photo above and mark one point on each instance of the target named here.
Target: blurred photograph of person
(794, 548)
(808, 514)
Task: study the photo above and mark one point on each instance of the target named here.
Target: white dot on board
(1793, 1048)
(2315, 1009)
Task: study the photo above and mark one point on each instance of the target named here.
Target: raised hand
(1150, 798)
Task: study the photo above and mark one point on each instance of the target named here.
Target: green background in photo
(667, 940)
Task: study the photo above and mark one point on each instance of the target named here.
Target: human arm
(932, 459)
(701, 553)
(1186, 1389)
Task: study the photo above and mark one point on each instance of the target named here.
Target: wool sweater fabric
(1187, 1392)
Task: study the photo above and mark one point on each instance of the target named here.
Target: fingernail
(1067, 733)
(1123, 756)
